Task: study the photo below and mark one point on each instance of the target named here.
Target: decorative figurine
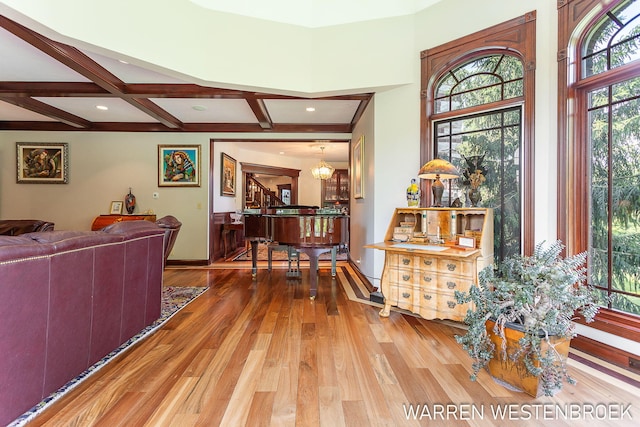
(413, 194)
(130, 202)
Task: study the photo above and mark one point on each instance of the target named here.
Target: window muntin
(613, 41)
(496, 135)
(614, 141)
(480, 81)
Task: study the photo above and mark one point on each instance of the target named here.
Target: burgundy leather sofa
(67, 299)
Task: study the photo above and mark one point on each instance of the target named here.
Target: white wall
(102, 167)
(381, 54)
(223, 50)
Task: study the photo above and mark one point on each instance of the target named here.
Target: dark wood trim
(515, 37)
(573, 204)
(48, 110)
(105, 84)
(251, 168)
(605, 352)
(211, 215)
(185, 127)
(191, 263)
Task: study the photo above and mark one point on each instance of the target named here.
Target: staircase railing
(258, 196)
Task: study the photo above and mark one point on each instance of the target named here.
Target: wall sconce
(322, 170)
(436, 169)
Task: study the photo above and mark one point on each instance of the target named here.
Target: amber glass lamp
(437, 169)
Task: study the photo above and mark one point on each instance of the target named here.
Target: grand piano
(309, 229)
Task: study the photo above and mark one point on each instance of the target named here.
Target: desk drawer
(451, 283)
(456, 266)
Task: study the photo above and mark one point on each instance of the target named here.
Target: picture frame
(227, 175)
(116, 208)
(179, 165)
(467, 242)
(42, 162)
(357, 161)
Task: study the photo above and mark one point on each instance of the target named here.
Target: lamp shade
(438, 168)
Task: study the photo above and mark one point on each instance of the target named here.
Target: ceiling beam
(261, 113)
(48, 110)
(87, 67)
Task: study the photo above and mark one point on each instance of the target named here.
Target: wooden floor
(261, 353)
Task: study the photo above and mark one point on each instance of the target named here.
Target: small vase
(130, 202)
(413, 194)
(474, 197)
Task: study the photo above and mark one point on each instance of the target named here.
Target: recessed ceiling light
(102, 107)
(311, 109)
(199, 107)
(282, 152)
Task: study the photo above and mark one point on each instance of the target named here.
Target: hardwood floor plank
(259, 352)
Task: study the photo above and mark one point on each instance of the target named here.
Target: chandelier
(322, 170)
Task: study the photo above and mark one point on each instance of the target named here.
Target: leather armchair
(171, 227)
(15, 227)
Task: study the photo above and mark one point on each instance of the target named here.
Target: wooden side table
(229, 232)
(102, 221)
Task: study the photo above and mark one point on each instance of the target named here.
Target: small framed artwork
(42, 163)
(116, 208)
(178, 165)
(467, 242)
(357, 159)
(227, 175)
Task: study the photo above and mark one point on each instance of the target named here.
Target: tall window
(490, 139)
(612, 122)
(599, 149)
(478, 106)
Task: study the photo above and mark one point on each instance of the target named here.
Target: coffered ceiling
(50, 86)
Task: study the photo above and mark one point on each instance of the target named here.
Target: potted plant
(534, 298)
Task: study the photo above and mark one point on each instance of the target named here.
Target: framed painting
(178, 165)
(227, 175)
(116, 208)
(42, 162)
(357, 159)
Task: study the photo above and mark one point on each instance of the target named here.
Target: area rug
(263, 253)
(174, 298)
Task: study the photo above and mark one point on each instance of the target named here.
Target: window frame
(575, 19)
(516, 37)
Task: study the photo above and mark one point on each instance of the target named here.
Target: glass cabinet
(335, 190)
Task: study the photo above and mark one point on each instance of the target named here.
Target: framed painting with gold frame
(178, 166)
(227, 175)
(42, 162)
(357, 161)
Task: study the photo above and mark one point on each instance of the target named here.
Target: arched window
(599, 150)
(478, 113)
(487, 141)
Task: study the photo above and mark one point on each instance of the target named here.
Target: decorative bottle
(413, 194)
(130, 202)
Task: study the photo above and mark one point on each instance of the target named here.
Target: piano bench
(292, 255)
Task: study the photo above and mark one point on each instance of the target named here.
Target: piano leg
(254, 258)
(313, 254)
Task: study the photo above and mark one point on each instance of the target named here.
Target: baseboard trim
(613, 355)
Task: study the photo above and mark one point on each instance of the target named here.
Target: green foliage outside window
(494, 134)
(614, 136)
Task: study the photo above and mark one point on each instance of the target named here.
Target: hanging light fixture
(322, 170)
